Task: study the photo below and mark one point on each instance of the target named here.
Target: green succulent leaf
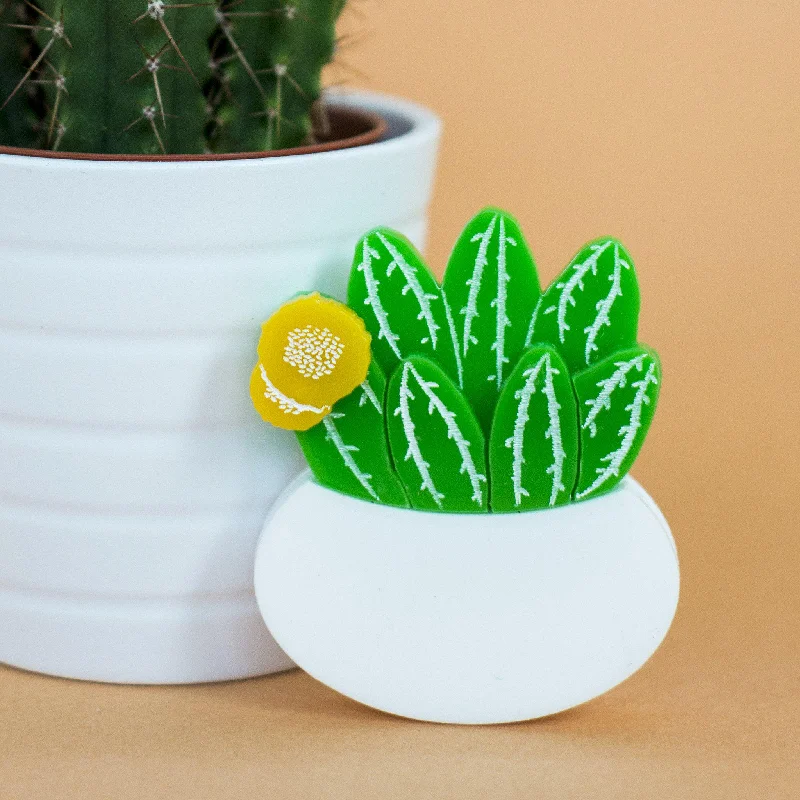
(401, 303)
(492, 287)
(435, 439)
(592, 309)
(616, 403)
(533, 450)
(348, 451)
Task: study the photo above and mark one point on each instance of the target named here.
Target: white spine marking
(346, 451)
(368, 394)
(615, 460)
(373, 299)
(454, 336)
(454, 433)
(553, 432)
(499, 304)
(517, 441)
(414, 453)
(575, 281)
(413, 285)
(529, 336)
(604, 306)
(607, 387)
(470, 311)
(285, 403)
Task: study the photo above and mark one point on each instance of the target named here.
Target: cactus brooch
(448, 408)
(482, 394)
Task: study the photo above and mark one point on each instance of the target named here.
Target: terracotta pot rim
(363, 127)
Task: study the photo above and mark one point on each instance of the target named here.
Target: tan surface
(674, 126)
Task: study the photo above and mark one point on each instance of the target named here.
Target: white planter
(134, 473)
(467, 618)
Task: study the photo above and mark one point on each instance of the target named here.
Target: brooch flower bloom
(312, 352)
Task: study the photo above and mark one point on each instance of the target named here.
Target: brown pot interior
(347, 127)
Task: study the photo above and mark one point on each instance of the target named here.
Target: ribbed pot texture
(135, 475)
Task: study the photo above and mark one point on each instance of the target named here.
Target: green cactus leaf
(154, 77)
(348, 452)
(533, 450)
(592, 309)
(616, 402)
(401, 303)
(492, 287)
(435, 439)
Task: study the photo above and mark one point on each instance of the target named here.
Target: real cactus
(150, 76)
(268, 59)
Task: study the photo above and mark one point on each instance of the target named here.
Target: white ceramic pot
(134, 474)
(467, 618)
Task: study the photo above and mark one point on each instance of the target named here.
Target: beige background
(673, 125)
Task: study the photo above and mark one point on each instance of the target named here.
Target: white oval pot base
(467, 618)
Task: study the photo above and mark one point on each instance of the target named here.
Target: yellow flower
(313, 351)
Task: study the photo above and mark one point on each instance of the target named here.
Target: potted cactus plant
(467, 547)
(145, 225)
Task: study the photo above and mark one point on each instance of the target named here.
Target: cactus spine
(152, 76)
(268, 58)
(616, 401)
(592, 308)
(20, 97)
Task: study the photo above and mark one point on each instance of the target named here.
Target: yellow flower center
(312, 351)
